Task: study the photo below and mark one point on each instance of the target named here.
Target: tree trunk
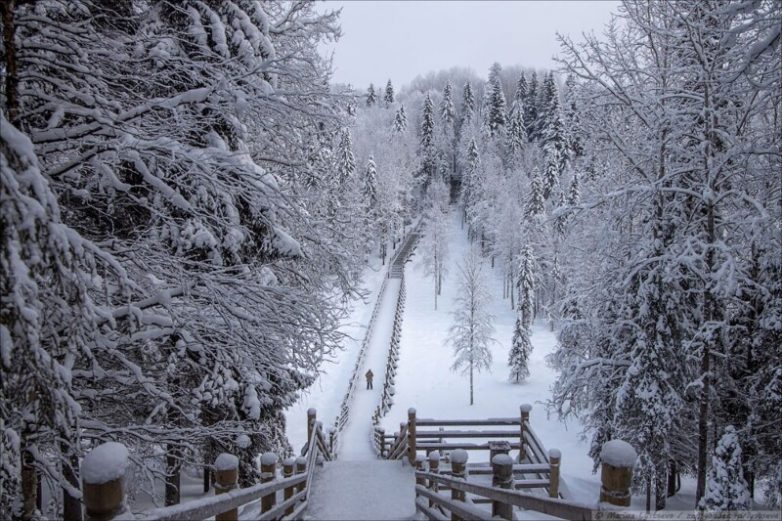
(672, 473)
(471, 400)
(71, 506)
(173, 474)
(11, 72)
(29, 482)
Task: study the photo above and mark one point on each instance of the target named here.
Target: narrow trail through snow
(354, 442)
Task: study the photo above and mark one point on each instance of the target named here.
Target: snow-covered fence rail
(103, 482)
(617, 461)
(387, 395)
(535, 468)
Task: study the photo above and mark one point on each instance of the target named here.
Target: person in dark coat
(369, 376)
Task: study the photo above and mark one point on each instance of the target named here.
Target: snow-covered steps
(372, 489)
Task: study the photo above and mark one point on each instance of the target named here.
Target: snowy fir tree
(494, 103)
(726, 489)
(435, 238)
(447, 114)
(518, 358)
(427, 152)
(531, 108)
(400, 120)
(536, 199)
(389, 94)
(346, 161)
(471, 333)
(371, 96)
(369, 187)
(468, 106)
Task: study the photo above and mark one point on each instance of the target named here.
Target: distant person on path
(369, 376)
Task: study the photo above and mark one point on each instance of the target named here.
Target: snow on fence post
(458, 466)
(287, 472)
(411, 436)
(382, 434)
(226, 478)
(617, 459)
(525, 408)
(311, 417)
(554, 459)
(502, 477)
(268, 473)
(434, 467)
(103, 481)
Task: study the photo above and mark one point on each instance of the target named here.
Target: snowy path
(373, 489)
(354, 441)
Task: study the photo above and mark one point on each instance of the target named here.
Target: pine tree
(369, 190)
(447, 114)
(468, 107)
(400, 120)
(573, 129)
(726, 489)
(517, 133)
(521, 348)
(389, 96)
(552, 172)
(574, 193)
(427, 151)
(495, 106)
(554, 134)
(531, 109)
(472, 330)
(346, 162)
(536, 201)
(371, 96)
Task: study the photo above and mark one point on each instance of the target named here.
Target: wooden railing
(387, 395)
(502, 435)
(106, 501)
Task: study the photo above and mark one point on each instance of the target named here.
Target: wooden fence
(417, 441)
(277, 497)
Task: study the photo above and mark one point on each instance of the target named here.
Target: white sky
(402, 39)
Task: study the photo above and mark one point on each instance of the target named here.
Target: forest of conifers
(188, 201)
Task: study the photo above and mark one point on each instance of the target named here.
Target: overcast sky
(400, 40)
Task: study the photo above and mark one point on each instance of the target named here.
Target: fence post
(331, 442)
(287, 471)
(268, 468)
(311, 417)
(458, 470)
(411, 436)
(554, 458)
(301, 468)
(525, 408)
(502, 477)
(226, 477)
(103, 487)
(382, 433)
(617, 459)
(434, 467)
(419, 466)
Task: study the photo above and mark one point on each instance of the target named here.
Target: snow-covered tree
(427, 152)
(531, 109)
(471, 334)
(494, 105)
(726, 489)
(371, 96)
(400, 120)
(346, 161)
(468, 107)
(389, 94)
(369, 187)
(434, 247)
(521, 347)
(536, 201)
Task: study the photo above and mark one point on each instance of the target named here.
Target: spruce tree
(536, 199)
(531, 108)
(726, 488)
(400, 120)
(369, 190)
(573, 129)
(371, 96)
(495, 106)
(468, 106)
(389, 96)
(427, 151)
(551, 173)
(574, 193)
(517, 133)
(346, 162)
(447, 114)
(518, 358)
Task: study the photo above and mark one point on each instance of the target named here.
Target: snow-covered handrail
(103, 475)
